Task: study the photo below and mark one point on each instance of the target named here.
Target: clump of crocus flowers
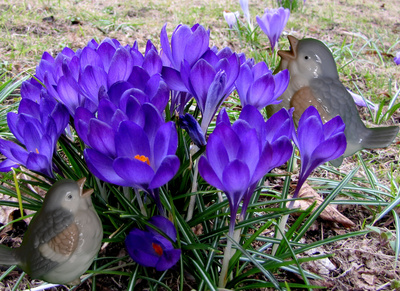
(119, 102)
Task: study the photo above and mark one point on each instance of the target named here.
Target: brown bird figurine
(63, 237)
(314, 80)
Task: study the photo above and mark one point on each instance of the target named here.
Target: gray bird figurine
(63, 237)
(314, 80)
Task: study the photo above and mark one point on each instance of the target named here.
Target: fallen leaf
(329, 213)
(368, 278)
(322, 266)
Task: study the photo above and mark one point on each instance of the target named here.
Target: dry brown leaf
(329, 213)
(368, 278)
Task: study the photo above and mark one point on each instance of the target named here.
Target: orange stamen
(37, 151)
(157, 248)
(143, 159)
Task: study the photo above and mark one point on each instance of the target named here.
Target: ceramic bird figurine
(63, 237)
(314, 80)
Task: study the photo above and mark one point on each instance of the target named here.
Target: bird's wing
(336, 100)
(304, 98)
(61, 246)
(56, 238)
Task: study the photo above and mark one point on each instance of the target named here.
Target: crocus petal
(81, 121)
(68, 95)
(273, 22)
(254, 118)
(201, 77)
(134, 172)
(215, 96)
(138, 77)
(164, 224)
(281, 82)
(397, 58)
(243, 82)
(39, 163)
(229, 139)
(310, 134)
(12, 121)
(89, 57)
(32, 137)
(165, 143)
(30, 91)
(333, 126)
(173, 78)
(261, 92)
(196, 45)
(244, 4)
(106, 51)
(249, 150)
(236, 178)
(166, 49)
(92, 79)
(168, 260)
(139, 246)
(29, 107)
(181, 34)
(101, 166)
(120, 67)
(192, 127)
(101, 137)
(7, 165)
(165, 172)
(152, 63)
(231, 18)
(208, 174)
(131, 140)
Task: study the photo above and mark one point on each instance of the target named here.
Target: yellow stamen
(143, 159)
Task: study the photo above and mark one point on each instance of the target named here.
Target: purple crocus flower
(397, 58)
(239, 155)
(273, 22)
(258, 87)
(192, 127)
(130, 144)
(187, 44)
(317, 142)
(37, 126)
(210, 80)
(231, 18)
(150, 249)
(76, 79)
(244, 4)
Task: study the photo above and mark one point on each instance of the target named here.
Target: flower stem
(228, 254)
(284, 219)
(192, 202)
(21, 209)
(140, 202)
(280, 232)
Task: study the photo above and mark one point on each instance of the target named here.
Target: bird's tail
(7, 256)
(380, 137)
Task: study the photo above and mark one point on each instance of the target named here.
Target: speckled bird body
(62, 239)
(314, 80)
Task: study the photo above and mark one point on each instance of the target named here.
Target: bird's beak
(292, 54)
(81, 183)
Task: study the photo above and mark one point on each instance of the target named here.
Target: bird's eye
(68, 196)
(306, 57)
